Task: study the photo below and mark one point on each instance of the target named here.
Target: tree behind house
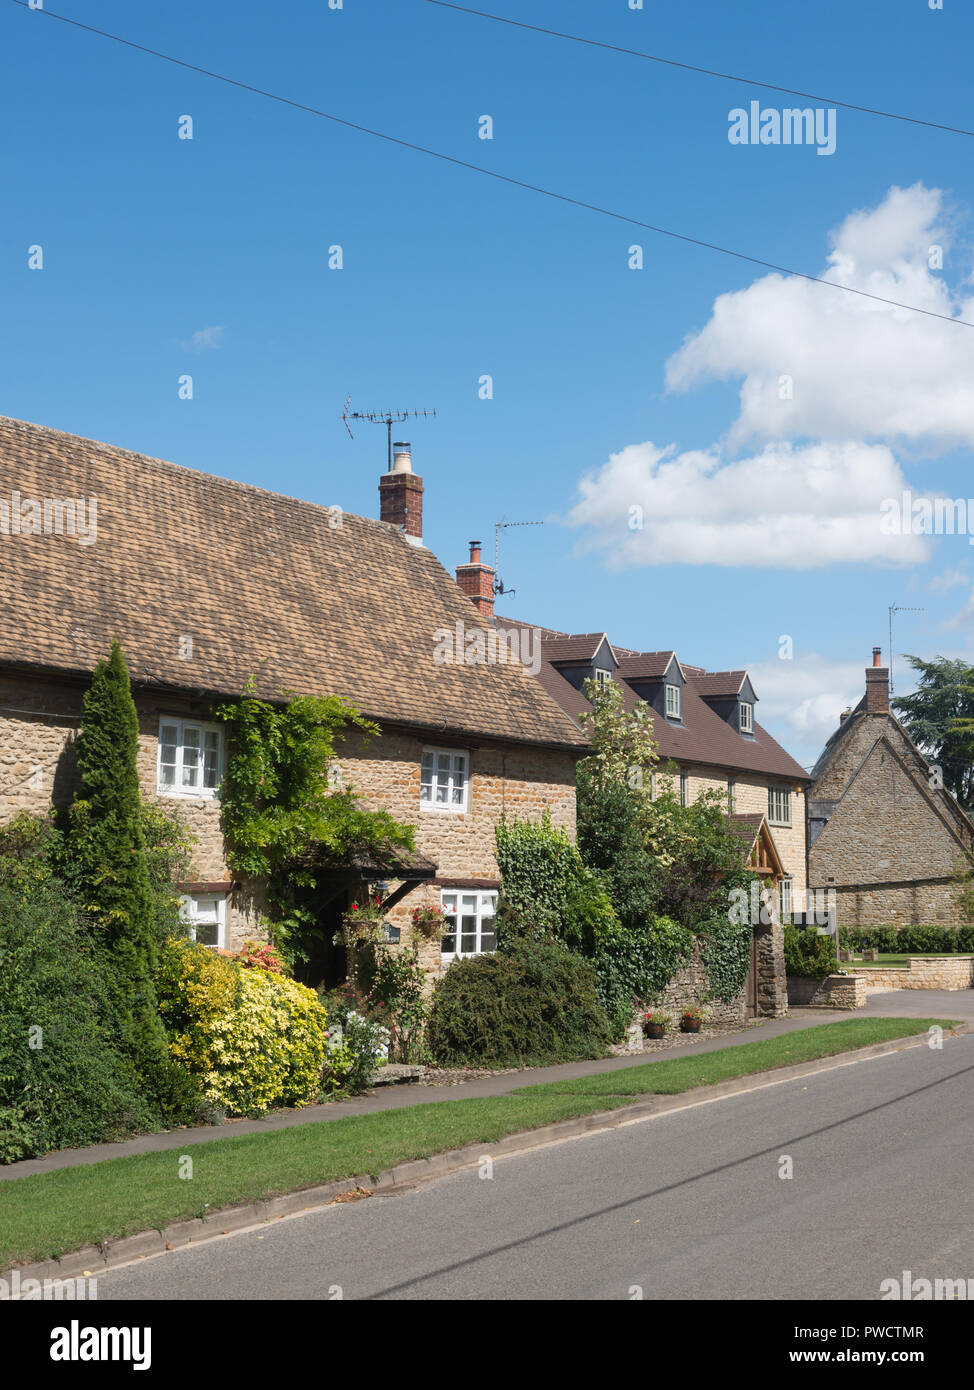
(939, 717)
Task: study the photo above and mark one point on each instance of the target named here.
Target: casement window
(603, 677)
(779, 806)
(469, 924)
(673, 702)
(684, 789)
(731, 795)
(190, 758)
(784, 894)
(747, 718)
(206, 914)
(443, 780)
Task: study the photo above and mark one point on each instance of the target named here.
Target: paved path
(895, 1004)
(691, 1205)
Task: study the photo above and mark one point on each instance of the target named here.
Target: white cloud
(790, 508)
(949, 579)
(857, 369)
(962, 619)
(204, 338)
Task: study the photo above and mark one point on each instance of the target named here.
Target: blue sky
(210, 257)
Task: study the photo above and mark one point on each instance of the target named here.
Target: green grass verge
(678, 1074)
(55, 1212)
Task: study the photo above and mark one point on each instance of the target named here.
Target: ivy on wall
(279, 812)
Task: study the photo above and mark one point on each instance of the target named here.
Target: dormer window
(673, 702)
(602, 678)
(747, 718)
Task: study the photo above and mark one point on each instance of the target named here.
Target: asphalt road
(688, 1205)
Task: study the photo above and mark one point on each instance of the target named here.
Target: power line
(493, 174)
(690, 67)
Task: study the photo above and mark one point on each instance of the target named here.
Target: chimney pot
(877, 686)
(877, 656)
(477, 581)
(401, 495)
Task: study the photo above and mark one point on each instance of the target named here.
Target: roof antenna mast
(380, 417)
(500, 526)
(895, 608)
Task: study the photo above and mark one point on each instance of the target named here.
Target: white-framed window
(206, 914)
(190, 758)
(443, 780)
(673, 702)
(747, 718)
(684, 789)
(779, 806)
(784, 894)
(602, 677)
(731, 795)
(469, 929)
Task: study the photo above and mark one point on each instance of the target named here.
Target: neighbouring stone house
(207, 581)
(883, 832)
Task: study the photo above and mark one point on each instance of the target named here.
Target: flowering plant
(657, 1016)
(362, 923)
(693, 1015)
(428, 921)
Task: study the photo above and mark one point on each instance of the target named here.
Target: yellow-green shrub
(252, 1039)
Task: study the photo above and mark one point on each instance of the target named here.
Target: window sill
(442, 810)
(171, 795)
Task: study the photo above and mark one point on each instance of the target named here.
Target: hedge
(532, 1003)
(899, 940)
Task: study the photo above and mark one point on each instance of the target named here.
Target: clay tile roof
(745, 825)
(257, 581)
(717, 684)
(703, 737)
(580, 646)
(645, 665)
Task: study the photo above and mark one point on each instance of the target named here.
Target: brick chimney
(401, 495)
(877, 685)
(477, 582)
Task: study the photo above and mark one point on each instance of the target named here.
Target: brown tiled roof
(719, 683)
(646, 666)
(258, 581)
(581, 647)
(702, 738)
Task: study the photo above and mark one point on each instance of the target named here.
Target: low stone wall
(923, 972)
(689, 985)
(832, 992)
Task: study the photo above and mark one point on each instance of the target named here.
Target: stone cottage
(882, 831)
(207, 581)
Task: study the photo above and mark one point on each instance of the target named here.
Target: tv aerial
(500, 526)
(380, 417)
(896, 608)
